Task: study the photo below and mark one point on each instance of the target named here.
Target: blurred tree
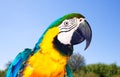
(76, 61)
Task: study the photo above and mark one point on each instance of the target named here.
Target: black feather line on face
(67, 30)
(66, 50)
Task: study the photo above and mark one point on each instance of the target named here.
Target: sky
(22, 22)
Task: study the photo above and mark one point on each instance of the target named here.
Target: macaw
(49, 56)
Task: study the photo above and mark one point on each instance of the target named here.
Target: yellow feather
(47, 62)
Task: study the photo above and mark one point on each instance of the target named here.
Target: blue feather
(69, 71)
(18, 62)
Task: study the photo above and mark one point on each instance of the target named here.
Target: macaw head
(72, 29)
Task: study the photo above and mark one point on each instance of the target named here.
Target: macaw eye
(66, 23)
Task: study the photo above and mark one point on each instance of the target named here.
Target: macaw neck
(48, 37)
(63, 49)
(50, 42)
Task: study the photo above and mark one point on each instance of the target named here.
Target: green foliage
(79, 73)
(2, 73)
(91, 74)
(98, 70)
(116, 75)
(102, 69)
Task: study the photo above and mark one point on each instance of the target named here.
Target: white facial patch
(65, 37)
(67, 29)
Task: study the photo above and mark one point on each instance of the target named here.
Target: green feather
(68, 16)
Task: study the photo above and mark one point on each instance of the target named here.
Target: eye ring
(66, 23)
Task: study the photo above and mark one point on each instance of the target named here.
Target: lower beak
(83, 32)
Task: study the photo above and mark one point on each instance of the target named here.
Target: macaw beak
(83, 32)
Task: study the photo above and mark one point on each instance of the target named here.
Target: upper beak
(83, 32)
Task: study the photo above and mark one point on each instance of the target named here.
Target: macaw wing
(18, 63)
